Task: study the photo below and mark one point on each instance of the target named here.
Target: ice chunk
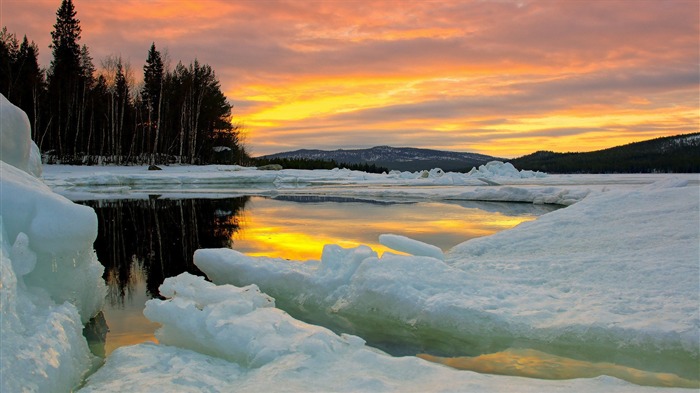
(16, 145)
(240, 325)
(501, 170)
(50, 281)
(41, 344)
(59, 233)
(23, 259)
(411, 246)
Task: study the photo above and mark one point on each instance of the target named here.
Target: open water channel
(141, 242)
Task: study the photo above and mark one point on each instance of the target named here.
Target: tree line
(307, 163)
(80, 114)
(675, 154)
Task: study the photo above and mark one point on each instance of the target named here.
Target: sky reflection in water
(298, 228)
(142, 242)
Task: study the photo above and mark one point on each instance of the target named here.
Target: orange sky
(498, 77)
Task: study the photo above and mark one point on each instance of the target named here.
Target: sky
(504, 78)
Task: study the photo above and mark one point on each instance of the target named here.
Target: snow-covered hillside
(394, 158)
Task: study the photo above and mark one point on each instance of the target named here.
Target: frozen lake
(141, 242)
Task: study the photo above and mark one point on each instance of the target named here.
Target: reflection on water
(156, 238)
(297, 228)
(537, 364)
(142, 242)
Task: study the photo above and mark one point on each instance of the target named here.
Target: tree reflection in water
(158, 237)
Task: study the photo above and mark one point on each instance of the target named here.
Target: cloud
(455, 74)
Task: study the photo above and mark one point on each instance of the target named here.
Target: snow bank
(253, 346)
(611, 278)
(50, 281)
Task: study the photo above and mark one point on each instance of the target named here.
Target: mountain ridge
(674, 154)
(393, 158)
(678, 153)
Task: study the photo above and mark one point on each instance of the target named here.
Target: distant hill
(398, 158)
(677, 154)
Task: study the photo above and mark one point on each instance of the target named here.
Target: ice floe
(611, 278)
(223, 338)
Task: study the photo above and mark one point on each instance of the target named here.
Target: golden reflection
(121, 340)
(286, 242)
(127, 327)
(298, 231)
(535, 364)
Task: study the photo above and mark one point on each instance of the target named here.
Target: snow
(613, 277)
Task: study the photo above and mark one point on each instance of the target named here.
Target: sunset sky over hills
(504, 78)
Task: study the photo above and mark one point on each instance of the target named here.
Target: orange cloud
(504, 78)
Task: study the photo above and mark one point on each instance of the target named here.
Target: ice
(498, 169)
(253, 346)
(208, 181)
(614, 276)
(71, 178)
(50, 281)
(411, 246)
(17, 147)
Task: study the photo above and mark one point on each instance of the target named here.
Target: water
(142, 242)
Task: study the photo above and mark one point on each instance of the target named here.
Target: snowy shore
(614, 277)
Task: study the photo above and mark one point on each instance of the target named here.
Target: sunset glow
(298, 231)
(504, 78)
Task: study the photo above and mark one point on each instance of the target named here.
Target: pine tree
(65, 78)
(9, 48)
(152, 95)
(29, 84)
(123, 105)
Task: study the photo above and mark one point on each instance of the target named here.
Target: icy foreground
(221, 338)
(226, 338)
(50, 280)
(612, 278)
